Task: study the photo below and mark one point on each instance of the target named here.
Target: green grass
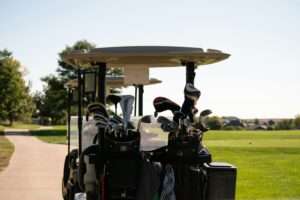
(57, 135)
(6, 150)
(20, 125)
(268, 162)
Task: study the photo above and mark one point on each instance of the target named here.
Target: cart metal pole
(69, 118)
(101, 97)
(101, 82)
(135, 99)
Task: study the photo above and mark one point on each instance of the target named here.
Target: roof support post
(69, 118)
(101, 82)
(190, 72)
(135, 99)
(79, 122)
(141, 94)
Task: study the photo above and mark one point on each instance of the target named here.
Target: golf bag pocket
(190, 182)
(149, 180)
(122, 172)
(221, 181)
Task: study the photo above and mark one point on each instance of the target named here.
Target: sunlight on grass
(6, 150)
(19, 125)
(267, 161)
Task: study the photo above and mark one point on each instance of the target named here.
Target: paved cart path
(35, 169)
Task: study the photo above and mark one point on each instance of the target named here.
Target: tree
(53, 103)
(297, 122)
(5, 54)
(214, 123)
(66, 71)
(15, 100)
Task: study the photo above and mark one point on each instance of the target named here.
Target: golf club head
(117, 119)
(99, 117)
(97, 108)
(114, 121)
(178, 115)
(191, 96)
(171, 127)
(146, 119)
(101, 124)
(127, 107)
(114, 99)
(205, 113)
(202, 127)
(162, 104)
(166, 124)
(162, 119)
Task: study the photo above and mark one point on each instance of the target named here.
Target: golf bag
(121, 165)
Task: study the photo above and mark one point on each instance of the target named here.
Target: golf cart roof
(145, 56)
(112, 81)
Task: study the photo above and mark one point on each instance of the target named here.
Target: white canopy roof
(144, 56)
(113, 82)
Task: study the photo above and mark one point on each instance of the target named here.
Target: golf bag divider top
(221, 181)
(187, 149)
(130, 143)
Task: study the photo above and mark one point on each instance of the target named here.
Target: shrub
(297, 122)
(285, 124)
(214, 123)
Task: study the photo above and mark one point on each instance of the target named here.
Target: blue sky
(260, 79)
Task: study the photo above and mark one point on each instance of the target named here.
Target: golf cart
(110, 162)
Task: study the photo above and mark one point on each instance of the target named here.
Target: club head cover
(162, 104)
(127, 107)
(191, 92)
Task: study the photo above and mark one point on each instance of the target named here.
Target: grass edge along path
(55, 135)
(6, 150)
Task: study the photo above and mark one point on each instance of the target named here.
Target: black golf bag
(121, 166)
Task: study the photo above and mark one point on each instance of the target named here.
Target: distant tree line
(219, 123)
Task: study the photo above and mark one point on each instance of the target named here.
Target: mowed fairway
(268, 162)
